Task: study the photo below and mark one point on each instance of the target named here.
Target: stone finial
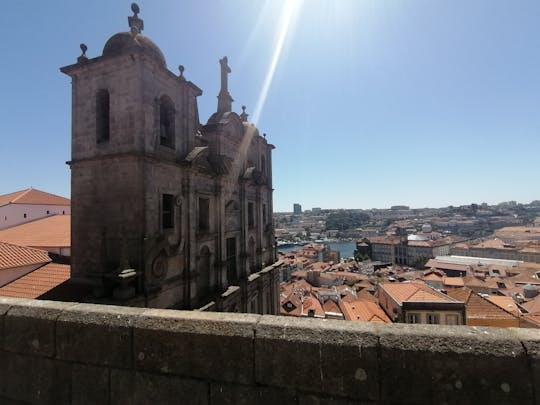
(264, 135)
(244, 116)
(83, 58)
(135, 23)
(181, 69)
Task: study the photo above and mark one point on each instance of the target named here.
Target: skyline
(369, 103)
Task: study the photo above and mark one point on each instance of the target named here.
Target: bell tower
(133, 123)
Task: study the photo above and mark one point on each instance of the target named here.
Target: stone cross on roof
(224, 99)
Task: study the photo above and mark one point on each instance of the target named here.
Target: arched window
(166, 122)
(102, 116)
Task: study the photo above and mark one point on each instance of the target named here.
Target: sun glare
(287, 19)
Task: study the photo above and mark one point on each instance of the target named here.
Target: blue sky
(371, 103)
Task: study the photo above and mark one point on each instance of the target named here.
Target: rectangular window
(167, 211)
(433, 319)
(413, 318)
(102, 116)
(265, 220)
(452, 319)
(251, 216)
(231, 260)
(204, 214)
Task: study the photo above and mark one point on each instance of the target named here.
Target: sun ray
(291, 9)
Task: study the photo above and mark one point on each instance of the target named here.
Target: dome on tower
(126, 42)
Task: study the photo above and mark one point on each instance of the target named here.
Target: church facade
(166, 212)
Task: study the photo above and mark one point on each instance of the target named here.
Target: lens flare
(287, 19)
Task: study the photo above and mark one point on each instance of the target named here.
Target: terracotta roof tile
(33, 196)
(17, 256)
(38, 282)
(477, 307)
(414, 292)
(453, 281)
(366, 311)
(506, 303)
(53, 231)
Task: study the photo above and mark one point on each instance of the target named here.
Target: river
(346, 249)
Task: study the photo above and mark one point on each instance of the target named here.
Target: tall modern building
(166, 211)
(297, 209)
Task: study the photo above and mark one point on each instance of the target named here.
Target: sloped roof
(33, 196)
(17, 256)
(453, 281)
(331, 306)
(415, 292)
(366, 311)
(477, 307)
(37, 282)
(53, 231)
(506, 303)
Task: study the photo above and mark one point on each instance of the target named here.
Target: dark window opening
(231, 260)
(433, 319)
(48, 212)
(167, 211)
(251, 216)
(204, 214)
(166, 122)
(265, 220)
(263, 165)
(63, 212)
(24, 215)
(102, 116)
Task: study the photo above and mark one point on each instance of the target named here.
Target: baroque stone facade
(166, 212)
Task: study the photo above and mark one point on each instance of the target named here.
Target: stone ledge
(155, 354)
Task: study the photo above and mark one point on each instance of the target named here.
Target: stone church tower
(166, 212)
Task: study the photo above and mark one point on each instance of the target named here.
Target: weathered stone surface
(334, 357)
(452, 365)
(132, 388)
(530, 339)
(217, 346)
(90, 385)
(30, 327)
(96, 334)
(311, 399)
(233, 394)
(35, 380)
(5, 304)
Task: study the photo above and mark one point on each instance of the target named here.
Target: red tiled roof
(506, 303)
(453, 281)
(38, 282)
(33, 196)
(414, 292)
(366, 311)
(331, 306)
(477, 307)
(17, 256)
(53, 231)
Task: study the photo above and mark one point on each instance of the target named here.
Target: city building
(166, 211)
(297, 209)
(30, 204)
(417, 302)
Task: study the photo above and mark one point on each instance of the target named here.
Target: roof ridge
(22, 246)
(24, 192)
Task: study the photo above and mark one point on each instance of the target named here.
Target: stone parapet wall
(67, 353)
